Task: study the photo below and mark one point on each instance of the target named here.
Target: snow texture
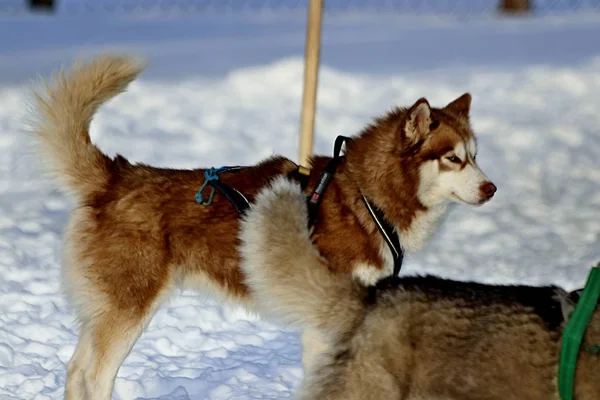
(219, 100)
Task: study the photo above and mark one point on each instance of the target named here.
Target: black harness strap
(385, 228)
(235, 197)
(241, 203)
(314, 200)
(389, 235)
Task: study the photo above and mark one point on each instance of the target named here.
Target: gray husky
(410, 338)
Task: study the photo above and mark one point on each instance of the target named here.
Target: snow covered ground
(214, 99)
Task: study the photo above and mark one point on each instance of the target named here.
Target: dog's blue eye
(454, 159)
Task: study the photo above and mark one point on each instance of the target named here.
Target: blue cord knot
(211, 174)
(595, 349)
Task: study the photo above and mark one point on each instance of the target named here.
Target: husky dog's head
(421, 153)
(447, 149)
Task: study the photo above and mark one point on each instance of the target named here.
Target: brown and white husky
(134, 236)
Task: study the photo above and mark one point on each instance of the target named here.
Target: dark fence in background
(431, 7)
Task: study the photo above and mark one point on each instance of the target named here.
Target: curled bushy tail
(287, 277)
(64, 108)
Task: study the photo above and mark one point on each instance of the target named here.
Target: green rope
(574, 331)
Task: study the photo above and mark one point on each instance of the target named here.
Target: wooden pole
(311, 73)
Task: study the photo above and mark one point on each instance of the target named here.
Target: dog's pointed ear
(418, 120)
(461, 106)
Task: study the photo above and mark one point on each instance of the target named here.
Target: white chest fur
(412, 239)
(423, 225)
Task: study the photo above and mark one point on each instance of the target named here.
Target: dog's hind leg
(75, 386)
(106, 338)
(113, 336)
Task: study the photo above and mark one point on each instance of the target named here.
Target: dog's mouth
(459, 199)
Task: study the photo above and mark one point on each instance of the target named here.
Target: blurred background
(223, 87)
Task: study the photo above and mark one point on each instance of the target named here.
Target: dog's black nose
(488, 189)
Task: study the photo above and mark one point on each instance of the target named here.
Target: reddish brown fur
(147, 221)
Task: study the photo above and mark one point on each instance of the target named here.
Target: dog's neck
(414, 222)
(424, 225)
(346, 216)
